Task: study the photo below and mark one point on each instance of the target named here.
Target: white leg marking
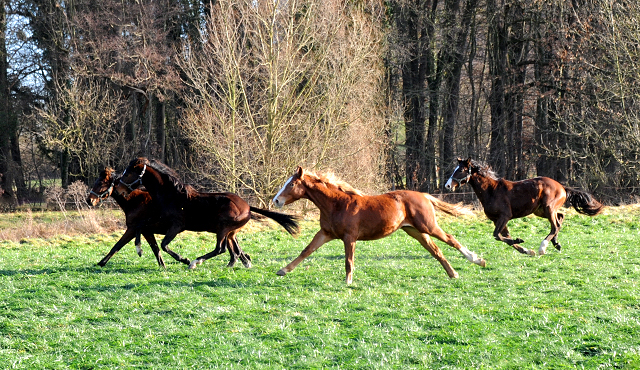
(543, 247)
(193, 264)
(472, 257)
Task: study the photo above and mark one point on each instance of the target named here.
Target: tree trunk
(497, 39)
(453, 52)
(5, 148)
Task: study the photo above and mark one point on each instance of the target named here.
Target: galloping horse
(348, 215)
(142, 216)
(504, 200)
(184, 208)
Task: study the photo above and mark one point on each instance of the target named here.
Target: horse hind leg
(245, 258)
(556, 225)
(236, 252)
(430, 246)
(555, 242)
(471, 256)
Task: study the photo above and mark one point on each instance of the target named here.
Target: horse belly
(377, 228)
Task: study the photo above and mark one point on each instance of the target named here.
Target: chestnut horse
(141, 214)
(348, 215)
(184, 208)
(504, 200)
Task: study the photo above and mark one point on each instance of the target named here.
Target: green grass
(575, 309)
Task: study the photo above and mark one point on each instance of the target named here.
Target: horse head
(131, 178)
(292, 190)
(102, 187)
(460, 175)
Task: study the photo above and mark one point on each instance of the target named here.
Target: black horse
(184, 208)
(142, 217)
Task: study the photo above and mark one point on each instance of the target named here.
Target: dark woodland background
(234, 94)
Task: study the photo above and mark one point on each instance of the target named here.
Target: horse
(185, 208)
(504, 200)
(141, 214)
(348, 215)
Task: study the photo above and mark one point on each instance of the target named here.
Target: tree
(281, 84)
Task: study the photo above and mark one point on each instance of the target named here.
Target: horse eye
(291, 184)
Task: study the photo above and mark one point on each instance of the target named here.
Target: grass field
(575, 309)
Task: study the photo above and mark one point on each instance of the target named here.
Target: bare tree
(277, 84)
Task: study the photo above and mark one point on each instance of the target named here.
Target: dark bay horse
(142, 216)
(348, 215)
(504, 200)
(184, 208)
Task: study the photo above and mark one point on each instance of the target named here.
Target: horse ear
(299, 172)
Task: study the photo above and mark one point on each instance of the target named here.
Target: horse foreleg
(168, 237)
(430, 246)
(221, 246)
(349, 252)
(124, 239)
(151, 239)
(501, 233)
(318, 240)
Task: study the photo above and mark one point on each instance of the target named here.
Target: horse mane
(172, 176)
(110, 173)
(484, 170)
(330, 179)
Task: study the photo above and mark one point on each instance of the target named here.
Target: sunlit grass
(575, 309)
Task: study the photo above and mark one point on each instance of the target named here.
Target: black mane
(169, 173)
(483, 169)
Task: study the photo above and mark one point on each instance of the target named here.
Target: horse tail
(583, 202)
(290, 223)
(453, 209)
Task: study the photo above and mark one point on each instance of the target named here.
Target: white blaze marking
(282, 190)
(449, 182)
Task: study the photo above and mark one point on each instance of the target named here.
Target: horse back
(212, 211)
(370, 217)
(534, 195)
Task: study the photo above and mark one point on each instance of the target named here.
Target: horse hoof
(558, 247)
(139, 251)
(247, 265)
(531, 252)
(482, 263)
(193, 264)
(281, 272)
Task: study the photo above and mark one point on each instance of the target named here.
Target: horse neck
(482, 185)
(156, 185)
(120, 199)
(321, 196)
